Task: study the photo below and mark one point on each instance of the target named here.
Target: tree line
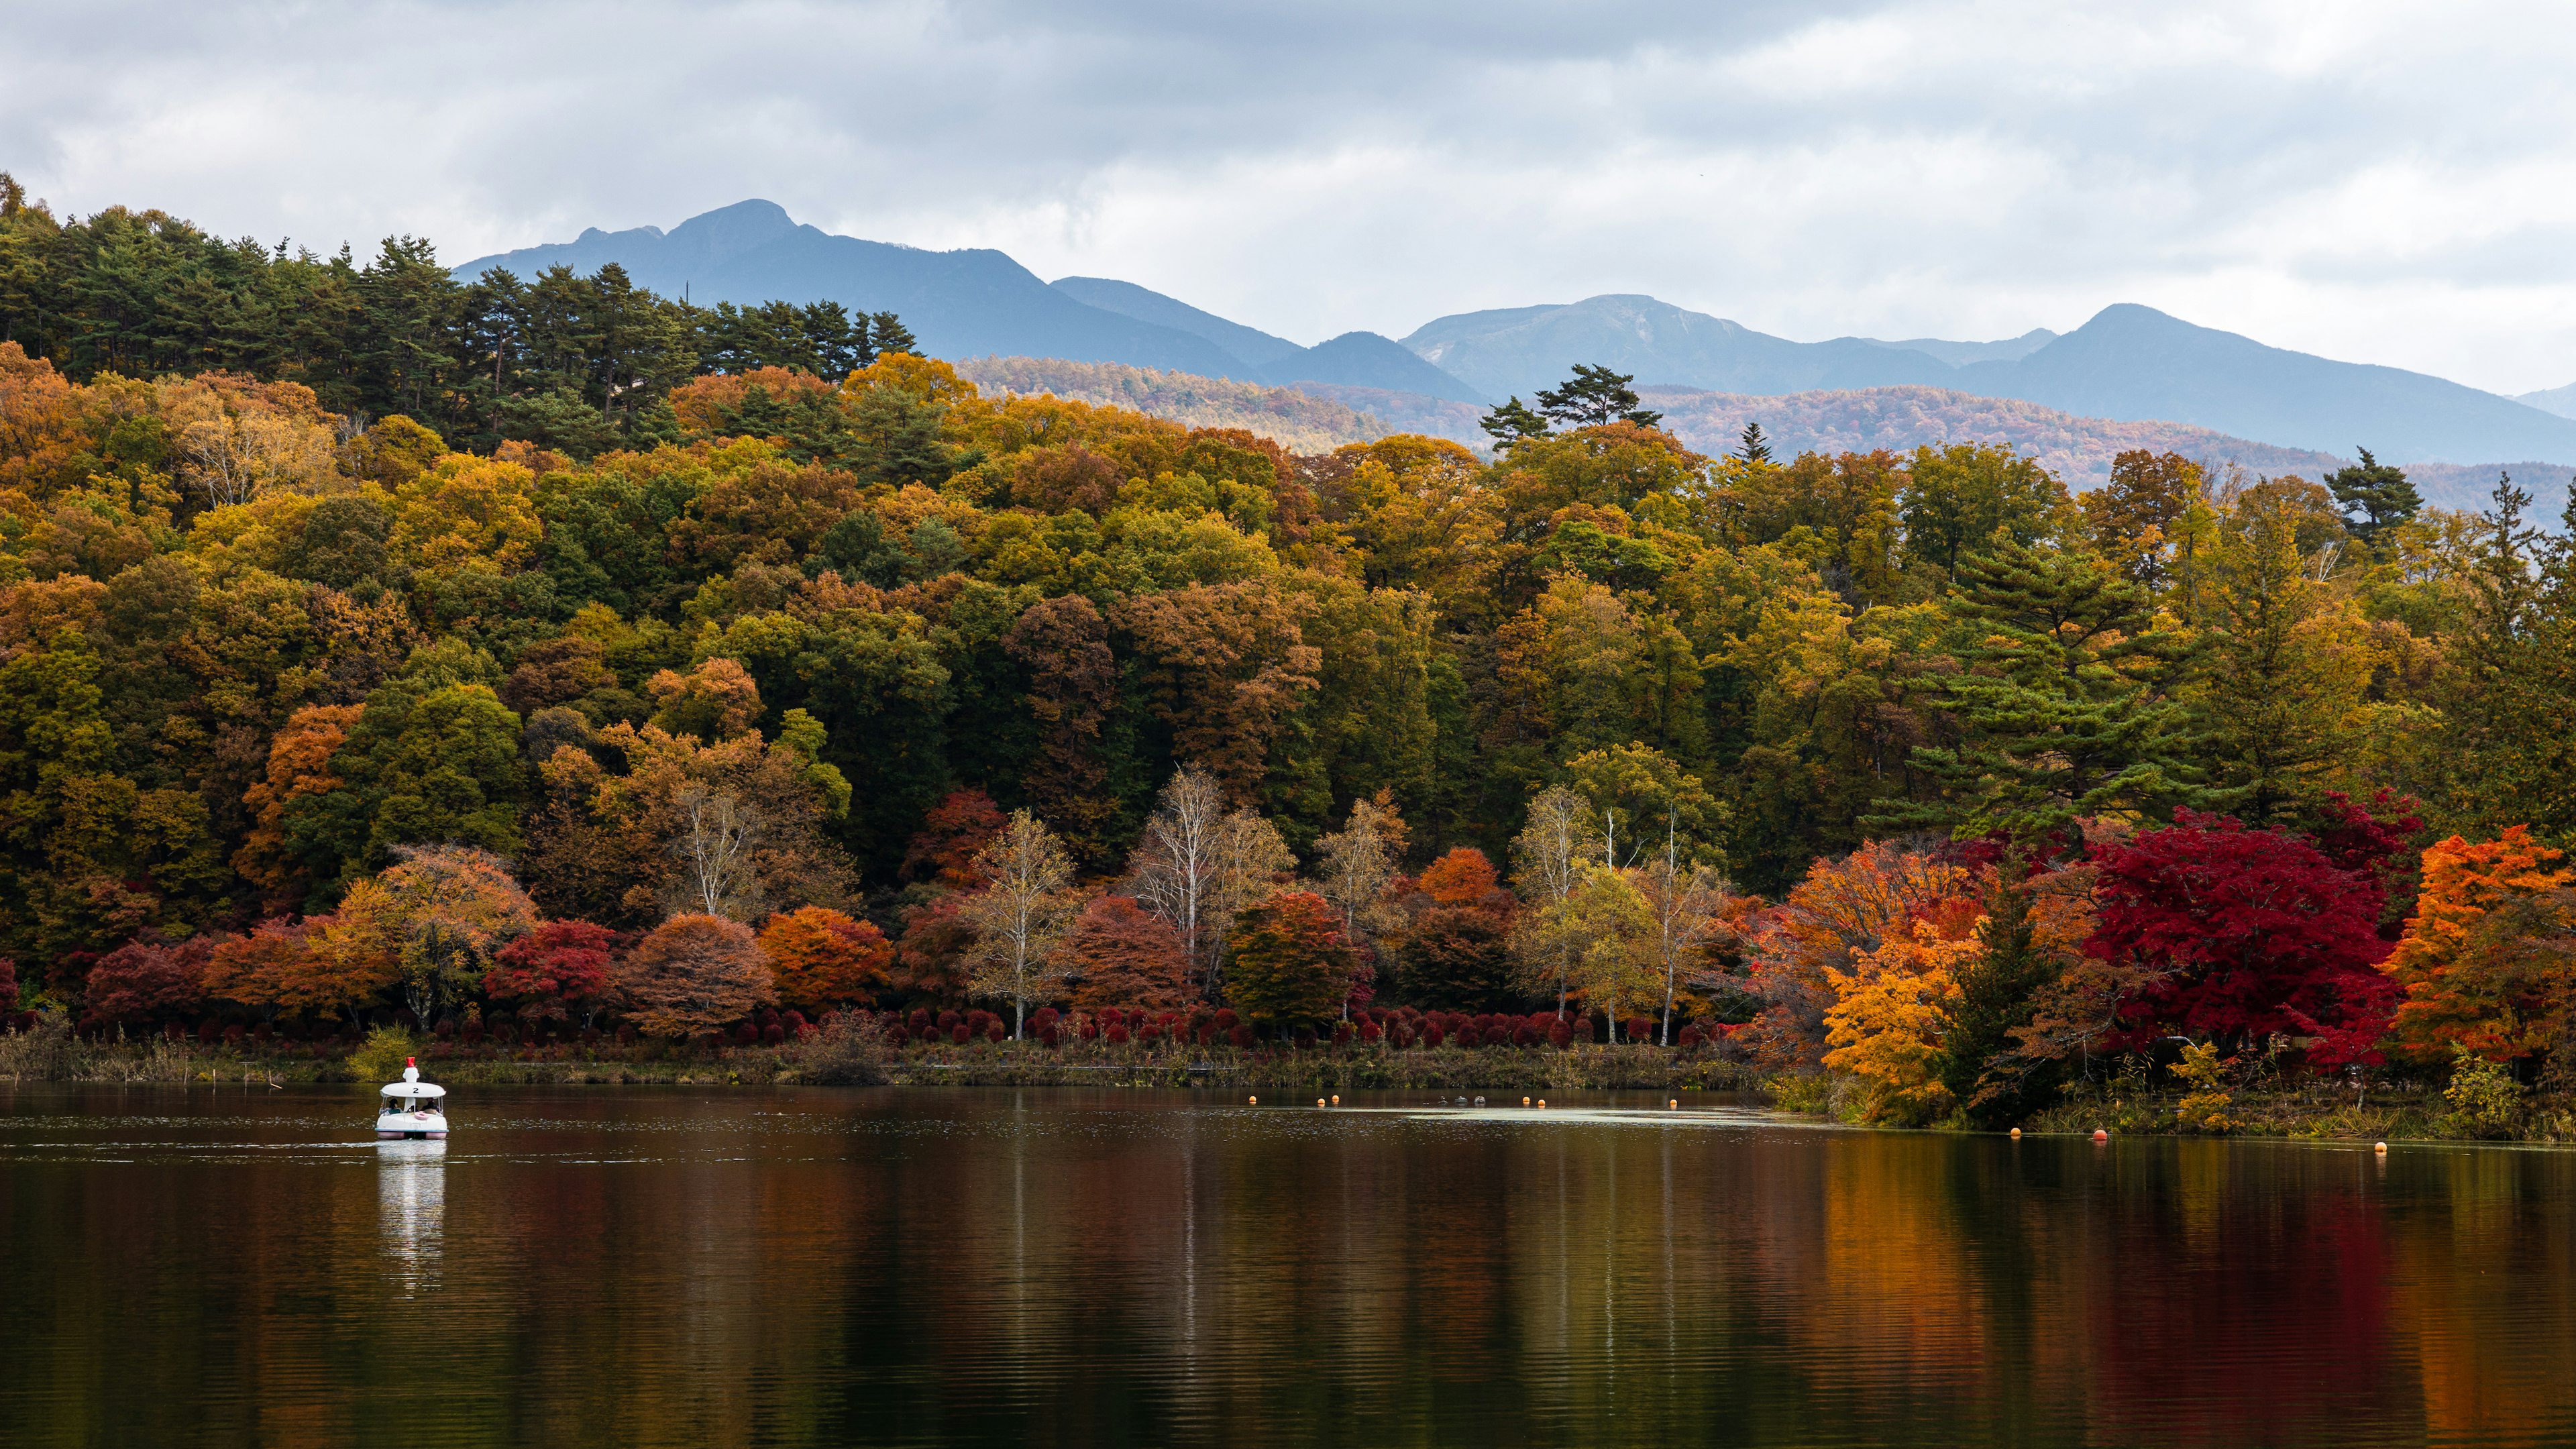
(1872, 760)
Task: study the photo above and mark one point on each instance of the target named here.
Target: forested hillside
(1032, 701)
(1288, 416)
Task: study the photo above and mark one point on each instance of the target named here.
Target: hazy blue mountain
(1960, 354)
(1516, 351)
(1354, 359)
(1365, 359)
(960, 304)
(2129, 363)
(1250, 345)
(2134, 363)
(2559, 400)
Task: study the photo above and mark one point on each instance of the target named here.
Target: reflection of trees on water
(411, 1210)
(1058, 1268)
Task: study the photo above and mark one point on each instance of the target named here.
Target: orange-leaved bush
(823, 958)
(1120, 954)
(1287, 963)
(695, 973)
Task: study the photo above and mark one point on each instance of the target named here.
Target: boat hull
(411, 1126)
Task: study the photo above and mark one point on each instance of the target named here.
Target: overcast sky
(2378, 182)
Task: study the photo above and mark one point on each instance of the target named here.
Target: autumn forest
(541, 650)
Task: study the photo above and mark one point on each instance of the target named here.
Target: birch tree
(1548, 859)
(1019, 916)
(1685, 899)
(1173, 868)
(1251, 862)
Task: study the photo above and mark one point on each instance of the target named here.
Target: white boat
(413, 1108)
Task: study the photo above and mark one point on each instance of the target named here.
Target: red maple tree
(2245, 933)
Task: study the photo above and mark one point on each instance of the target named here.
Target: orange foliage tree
(823, 959)
(314, 966)
(957, 827)
(1842, 909)
(2476, 962)
(1463, 877)
(299, 763)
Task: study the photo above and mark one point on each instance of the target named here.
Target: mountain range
(2128, 363)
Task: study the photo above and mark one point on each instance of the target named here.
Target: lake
(912, 1266)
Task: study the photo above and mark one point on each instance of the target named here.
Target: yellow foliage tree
(1889, 1014)
(464, 510)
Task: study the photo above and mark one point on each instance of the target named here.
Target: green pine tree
(1593, 397)
(2059, 703)
(1995, 995)
(1513, 422)
(2379, 494)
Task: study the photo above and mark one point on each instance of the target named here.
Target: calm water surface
(632, 1267)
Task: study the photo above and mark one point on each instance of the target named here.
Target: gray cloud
(2381, 182)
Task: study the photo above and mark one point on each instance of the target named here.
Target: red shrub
(994, 1030)
(1640, 1029)
(1341, 1033)
(1117, 1034)
(957, 1032)
(1226, 1020)
(1239, 1035)
(1371, 1032)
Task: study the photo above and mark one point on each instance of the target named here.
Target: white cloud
(2382, 182)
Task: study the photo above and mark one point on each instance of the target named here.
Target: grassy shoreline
(58, 1057)
(2389, 1113)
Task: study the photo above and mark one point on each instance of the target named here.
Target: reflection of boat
(412, 1107)
(412, 1201)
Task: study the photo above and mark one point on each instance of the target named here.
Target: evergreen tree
(1751, 446)
(1592, 397)
(2378, 494)
(1995, 996)
(2058, 705)
(2512, 713)
(1513, 422)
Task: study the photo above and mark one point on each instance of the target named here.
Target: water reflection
(1112, 1268)
(411, 1210)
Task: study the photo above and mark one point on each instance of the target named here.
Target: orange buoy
(1256, 1101)
(1337, 1099)
(1674, 1105)
(2380, 1147)
(2016, 1134)
(1319, 1101)
(1524, 1101)
(2101, 1136)
(1542, 1104)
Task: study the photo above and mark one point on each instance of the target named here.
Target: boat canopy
(411, 1085)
